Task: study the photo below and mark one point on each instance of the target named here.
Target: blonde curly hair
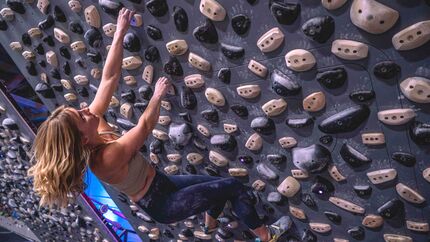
(59, 160)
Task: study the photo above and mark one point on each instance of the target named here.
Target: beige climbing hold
(335, 174)
(108, 47)
(373, 138)
(199, 62)
(171, 170)
(202, 235)
(43, 5)
(159, 134)
(66, 84)
(409, 194)
(212, 9)
(258, 185)
(203, 130)
(297, 212)
(338, 239)
(195, 158)
(136, 20)
(299, 174)
(333, 4)
(238, 172)
(164, 120)
(254, 142)
(166, 105)
(218, 159)
(320, 227)
(314, 102)
(51, 58)
(44, 77)
(416, 89)
(413, 36)
(114, 102)
(35, 33)
(271, 40)
(396, 116)
(130, 80)
(131, 62)
(92, 16)
(148, 74)
(154, 158)
(177, 47)
(143, 229)
(348, 206)
(61, 36)
(70, 97)
(75, 6)
(372, 16)
(287, 142)
(257, 68)
(96, 73)
(300, 60)
(349, 49)
(289, 187)
(7, 14)
(215, 97)
(194, 81)
(372, 221)
(230, 128)
(28, 55)
(15, 46)
(381, 176)
(417, 226)
(154, 234)
(109, 29)
(274, 107)
(248, 91)
(81, 80)
(189, 224)
(397, 238)
(126, 110)
(426, 174)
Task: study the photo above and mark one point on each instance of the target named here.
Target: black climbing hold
(157, 8)
(299, 122)
(363, 190)
(31, 68)
(173, 67)
(391, 208)
(190, 169)
(247, 235)
(26, 39)
(210, 115)
(129, 96)
(156, 146)
(224, 233)
(94, 57)
(188, 233)
(180, 134)
(93, 37)
(239, 110)
(131, 42)
(3, 25)
(212, 170)
(59, 15)
(111, 7)
(420, 132)
(76, 27)
(9, 123)
(356, 232)
(283, 85)
(352, 156)
(64, 52)
(188, 98)
(276, 158)
(168, 233)
(47, 23)
(206, 33)
(125, 124)
(334, 217)
(154, 32)
(313, 158)
(39, 49)
(240, 23)
(16, 6)
(136, 1)
(146, 92)
(81, 63)
(66, 68)
(199, 144)
(186, 117)
(55, 74)
(404, 158)
(362, 95)
(319, 29)
(225, 142)
(180, 19)
(386, 69)
(245, 159)
(285, 13)
(58, 87)
(49, 40)
(308, 236)
(263, 125)
(322, 186)
(333, 78)
(151, 54)
(308, 200)
(326, 139)
(232, 52)
(42, 63)
(346, 120)
(224, 74)
(83, 91)
(141, 106)
(44, 90)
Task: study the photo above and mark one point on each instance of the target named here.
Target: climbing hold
(44, 90)
(154, 32)
(404, 158)
(356, 232)
(240, 24)
(47, 23)
(413, 36)
(157, 8)
(285, 13)
(391, 209)
(240, 110)
(386, 69)
(420, 132)
(322, 186)
(372, 16)
(271, 40)
(267, 173)
(16, 6)
(349, 49)
(225, 142)
(232, 52)
(416, 89)
(151, 54)
(333, 78)
(313, 158)
(300, 60)
(131, 42)
(346, 120)
(363, 190)
(59, 15)
(353, 157)
(111, 7)
(299, 122)
(362, 95)
(180, 134)
(173, 67)
(93, 37)
(334, 217)
(180, 18)
(224, 74)
(283, 85)
(319, 29)
(263, 125)
(206, 33)
(210, 115)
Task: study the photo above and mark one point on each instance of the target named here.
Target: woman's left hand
(123, 22)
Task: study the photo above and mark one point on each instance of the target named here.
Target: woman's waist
(160, 186)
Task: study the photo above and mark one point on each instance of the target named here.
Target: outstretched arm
(112, 68)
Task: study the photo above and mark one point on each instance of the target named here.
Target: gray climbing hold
(180, 134)
(225, 142)
(312, 159)
(266, 172)
(274, 197)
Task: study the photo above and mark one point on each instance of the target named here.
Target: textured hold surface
(312, 159)
(283, 85)
(352, 156)
(420, 132)
(319, 29)
(332, 79)
(285, 13)
(206, 33)
(157, 8)
(386, 69)
(346, 120)
(391, 209)
(180, 19)
(240, 23)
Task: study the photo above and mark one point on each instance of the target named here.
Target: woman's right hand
(161, 87)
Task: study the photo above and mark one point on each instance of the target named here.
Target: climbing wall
(320, 106)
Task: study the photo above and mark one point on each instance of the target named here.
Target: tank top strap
(110, 132)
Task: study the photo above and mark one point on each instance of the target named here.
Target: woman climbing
(70, 140)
